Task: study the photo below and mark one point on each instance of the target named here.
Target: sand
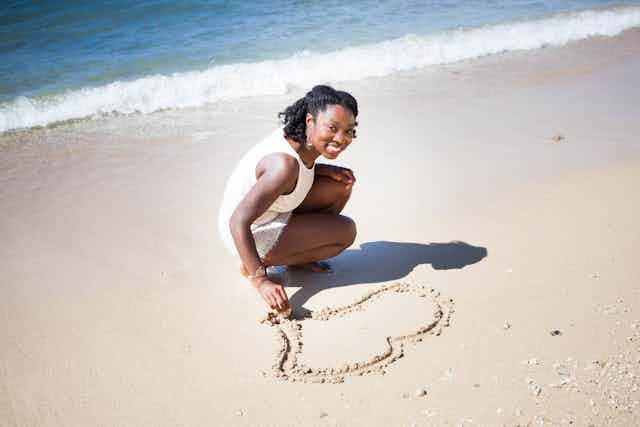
(507, 184)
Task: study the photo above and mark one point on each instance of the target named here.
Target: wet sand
(508, 185)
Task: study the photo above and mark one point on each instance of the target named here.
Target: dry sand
(508, 185)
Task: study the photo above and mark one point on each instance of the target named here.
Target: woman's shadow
(381, 261)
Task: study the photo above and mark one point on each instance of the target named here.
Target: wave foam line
(305, 69)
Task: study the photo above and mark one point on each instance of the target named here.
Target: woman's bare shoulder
(278, 166)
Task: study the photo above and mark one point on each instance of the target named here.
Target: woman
(279, 206)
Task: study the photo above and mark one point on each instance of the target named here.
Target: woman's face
(332, 130)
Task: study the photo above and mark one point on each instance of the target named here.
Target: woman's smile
(334, 149)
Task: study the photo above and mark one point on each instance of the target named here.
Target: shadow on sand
(382, 261)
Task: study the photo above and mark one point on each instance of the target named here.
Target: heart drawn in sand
(288, 367)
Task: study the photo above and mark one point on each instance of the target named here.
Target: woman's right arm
(276, 174)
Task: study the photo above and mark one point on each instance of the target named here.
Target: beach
(505, 187)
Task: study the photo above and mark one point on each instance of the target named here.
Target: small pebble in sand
(323, 414)
(531, 362)
(240, 413)
(562, 370)
(555, 333)
(536, 390)
(449, 375)
(285, 314)
(558, 137)
(506, 325)
(420, 392)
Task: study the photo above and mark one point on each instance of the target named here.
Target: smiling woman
(282, 208)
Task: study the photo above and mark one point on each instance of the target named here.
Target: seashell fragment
(420, 392)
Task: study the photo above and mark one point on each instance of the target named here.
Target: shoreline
(367, 57)
(122, 305)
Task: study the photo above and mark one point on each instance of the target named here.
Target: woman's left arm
(337, 173)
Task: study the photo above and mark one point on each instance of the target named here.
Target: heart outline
(289, 331)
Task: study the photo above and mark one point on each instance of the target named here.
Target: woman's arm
(276, 174)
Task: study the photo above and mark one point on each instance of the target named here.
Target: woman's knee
(339, 197)
(326, 196)
(344, 191)
(348, 231)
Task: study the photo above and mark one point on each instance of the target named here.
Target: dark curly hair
(316, 100)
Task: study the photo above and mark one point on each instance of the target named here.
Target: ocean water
(70, 59)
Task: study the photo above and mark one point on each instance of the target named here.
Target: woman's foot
(316, 267)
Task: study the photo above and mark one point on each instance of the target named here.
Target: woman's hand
(340, 174)
(273, 294)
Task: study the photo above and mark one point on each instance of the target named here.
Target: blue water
(51, 48)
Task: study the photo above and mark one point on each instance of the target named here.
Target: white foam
(306, 69)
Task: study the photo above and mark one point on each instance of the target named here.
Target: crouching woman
(280, 207)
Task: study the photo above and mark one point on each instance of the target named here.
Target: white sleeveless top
(243, 178)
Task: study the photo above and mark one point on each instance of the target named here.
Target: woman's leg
(316, 230)
(309, 237)
(326, 196)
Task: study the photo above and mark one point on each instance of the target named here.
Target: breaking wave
(305, 69)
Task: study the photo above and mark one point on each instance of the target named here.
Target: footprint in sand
(289, 367)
